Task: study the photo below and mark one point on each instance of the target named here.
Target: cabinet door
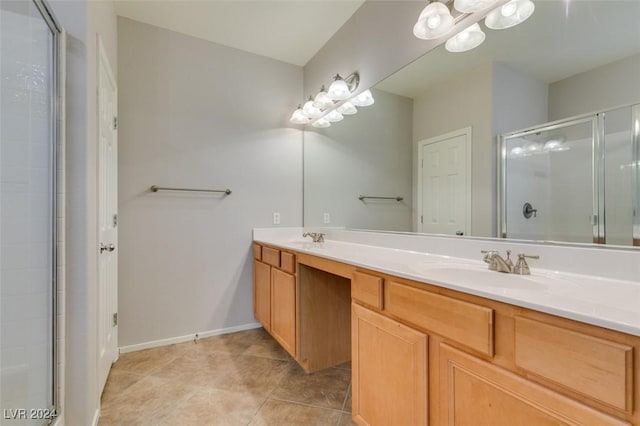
(389, 364)
(283, 309)
(262, 293)
(475, 393)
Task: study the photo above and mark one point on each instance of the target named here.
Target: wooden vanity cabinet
(389, 364)
(488, 363)
(275, 295)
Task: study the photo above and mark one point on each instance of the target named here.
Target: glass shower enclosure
(28, 258)
(574, 180)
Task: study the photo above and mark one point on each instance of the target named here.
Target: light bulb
(347, 108)
(321, 123)
(339, 90)
(508, 9)
(434, 21)
(333, 116)
(468, 39)
(299, 117)
(363, 99)
(322, 101)
(311, 111)
(510, 14)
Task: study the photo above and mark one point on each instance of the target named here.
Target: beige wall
(463, 101)
(610, 85)
(196, 114)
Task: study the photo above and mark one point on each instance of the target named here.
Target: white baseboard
(96, 417)
(187, 338)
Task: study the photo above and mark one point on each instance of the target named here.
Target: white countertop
(609, 303)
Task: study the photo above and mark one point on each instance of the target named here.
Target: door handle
(107, 247)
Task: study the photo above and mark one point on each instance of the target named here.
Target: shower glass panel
(618, 173)
(548, 183)
(27, 207)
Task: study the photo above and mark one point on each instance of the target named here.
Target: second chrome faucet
(317, 237)
(498, 263)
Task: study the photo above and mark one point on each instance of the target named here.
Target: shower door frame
(597, 170)
(57, 137)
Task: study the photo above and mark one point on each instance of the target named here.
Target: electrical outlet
(326, 218)
(276, 218)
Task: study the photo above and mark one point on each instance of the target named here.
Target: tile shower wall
(26, 209)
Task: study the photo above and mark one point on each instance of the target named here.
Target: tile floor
(243, 378)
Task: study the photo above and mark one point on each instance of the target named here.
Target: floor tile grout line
(346, 396)
(304, 403)
(284, 374)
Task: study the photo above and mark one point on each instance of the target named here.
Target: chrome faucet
(317, 237)
(498, 263)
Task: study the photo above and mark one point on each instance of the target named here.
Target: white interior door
(444, 186)
(108, 218)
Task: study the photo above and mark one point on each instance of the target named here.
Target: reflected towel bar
(156, 188)
(363, 197)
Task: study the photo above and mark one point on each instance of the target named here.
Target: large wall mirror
(427, 150)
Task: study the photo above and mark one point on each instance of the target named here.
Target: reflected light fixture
(333, 117)
(470, 6)
(310, 110)
(347, 108)
(322, 100)
(321, 123)
(556, 145)
(468, 39)
(510, 14)
(298, 116)
(434, 22)
(363, 99)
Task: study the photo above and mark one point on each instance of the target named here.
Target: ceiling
(291, 31)
(561, 38)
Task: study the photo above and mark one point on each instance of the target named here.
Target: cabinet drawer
(466, 323)
(367, 289)
(257, 252)
(271, 256)
(288, 262)
(591, 366)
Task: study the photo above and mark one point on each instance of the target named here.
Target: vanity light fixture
(339, 89)
(468, 39)
(321, 123)
(310, 110)
(510, 14)
(363, 99)
(298, 116)
(347, 108)
(470, 6)
(330, 106)
(322, 100)
(333, 117)
(434, 21)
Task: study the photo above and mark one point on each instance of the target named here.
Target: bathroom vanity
(436, 339)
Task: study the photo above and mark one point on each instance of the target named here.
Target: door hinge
(421, 219)
(115, 319)
(115, 123)
(115, 220)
